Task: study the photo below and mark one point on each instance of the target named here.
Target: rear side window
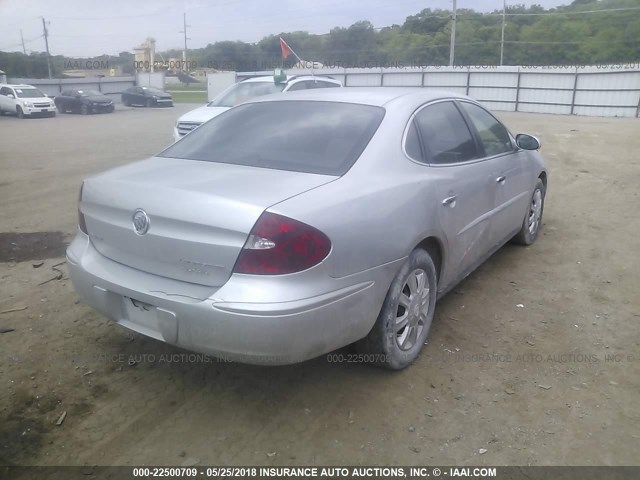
(300, 136)
(492, 134)
(412, 143)
(445, 134)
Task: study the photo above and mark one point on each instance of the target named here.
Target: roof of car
(15, 85)
(377, 96)
(290, 78)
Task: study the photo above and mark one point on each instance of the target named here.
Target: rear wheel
(19, 112)
(126, 102)
(149, 103)
(405, 319)
(533, 219)
(60, 108)
(84, 109)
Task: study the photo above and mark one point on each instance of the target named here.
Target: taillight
(81, 222)
(279, 245)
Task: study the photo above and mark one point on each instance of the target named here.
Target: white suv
(244, 91)
(25, 100)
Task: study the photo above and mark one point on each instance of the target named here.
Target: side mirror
(10, 95)
(527, 142)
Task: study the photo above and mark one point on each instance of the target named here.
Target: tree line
(566, 35)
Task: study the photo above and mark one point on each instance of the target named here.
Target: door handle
(501, 179)
(450, 201)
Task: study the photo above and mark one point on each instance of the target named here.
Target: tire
(84, 109)
(19, 112)
(125, 102)
(149, 103)
(111, 109)
(394, 348)
(532, 222)
(60, 109)
(52, 114)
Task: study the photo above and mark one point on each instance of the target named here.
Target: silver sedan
(296, 224)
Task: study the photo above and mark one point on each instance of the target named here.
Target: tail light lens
(81, 223)
(278, 245)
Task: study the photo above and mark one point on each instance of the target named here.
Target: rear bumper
(225, 322)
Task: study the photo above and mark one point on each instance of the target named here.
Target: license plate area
(141, 314)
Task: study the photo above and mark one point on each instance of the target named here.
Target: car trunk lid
(200, 213)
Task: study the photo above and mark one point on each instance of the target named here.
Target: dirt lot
(554, 382)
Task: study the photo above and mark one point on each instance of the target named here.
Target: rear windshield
(300, 136)
(245, 91)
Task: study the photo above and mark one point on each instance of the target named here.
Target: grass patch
(189, 97)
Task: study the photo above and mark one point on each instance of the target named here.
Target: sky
(83, 28)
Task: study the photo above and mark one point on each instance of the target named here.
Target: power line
(538, 14)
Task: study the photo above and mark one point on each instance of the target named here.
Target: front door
(511, 181)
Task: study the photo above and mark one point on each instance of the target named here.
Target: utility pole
(46, 42)
(184, 52)
(452, 48)
(504, 21)
(24, 50)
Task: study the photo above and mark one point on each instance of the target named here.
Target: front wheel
(533, 219)
(149, 103)
(19, 112)
(403, 324)
(84, 109)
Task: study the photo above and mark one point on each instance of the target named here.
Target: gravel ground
(554, 382)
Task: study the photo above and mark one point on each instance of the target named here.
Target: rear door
(464, 187)
(511, 180)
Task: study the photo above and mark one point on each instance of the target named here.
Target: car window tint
(329, 85)
(315, 84)
(412, 143)
(493, 136)
(300, 136)
(297, 86)
(445, 134)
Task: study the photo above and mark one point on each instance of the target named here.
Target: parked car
(244, 91)
(25, 101)
(146, 96)
(83, 101)
(296, 224)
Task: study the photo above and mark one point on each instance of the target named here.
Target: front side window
(89, 93)
(492, 134)
(152, 91)
(301, 136)
(445, 134)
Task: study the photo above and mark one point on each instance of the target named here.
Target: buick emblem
(141, 221)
